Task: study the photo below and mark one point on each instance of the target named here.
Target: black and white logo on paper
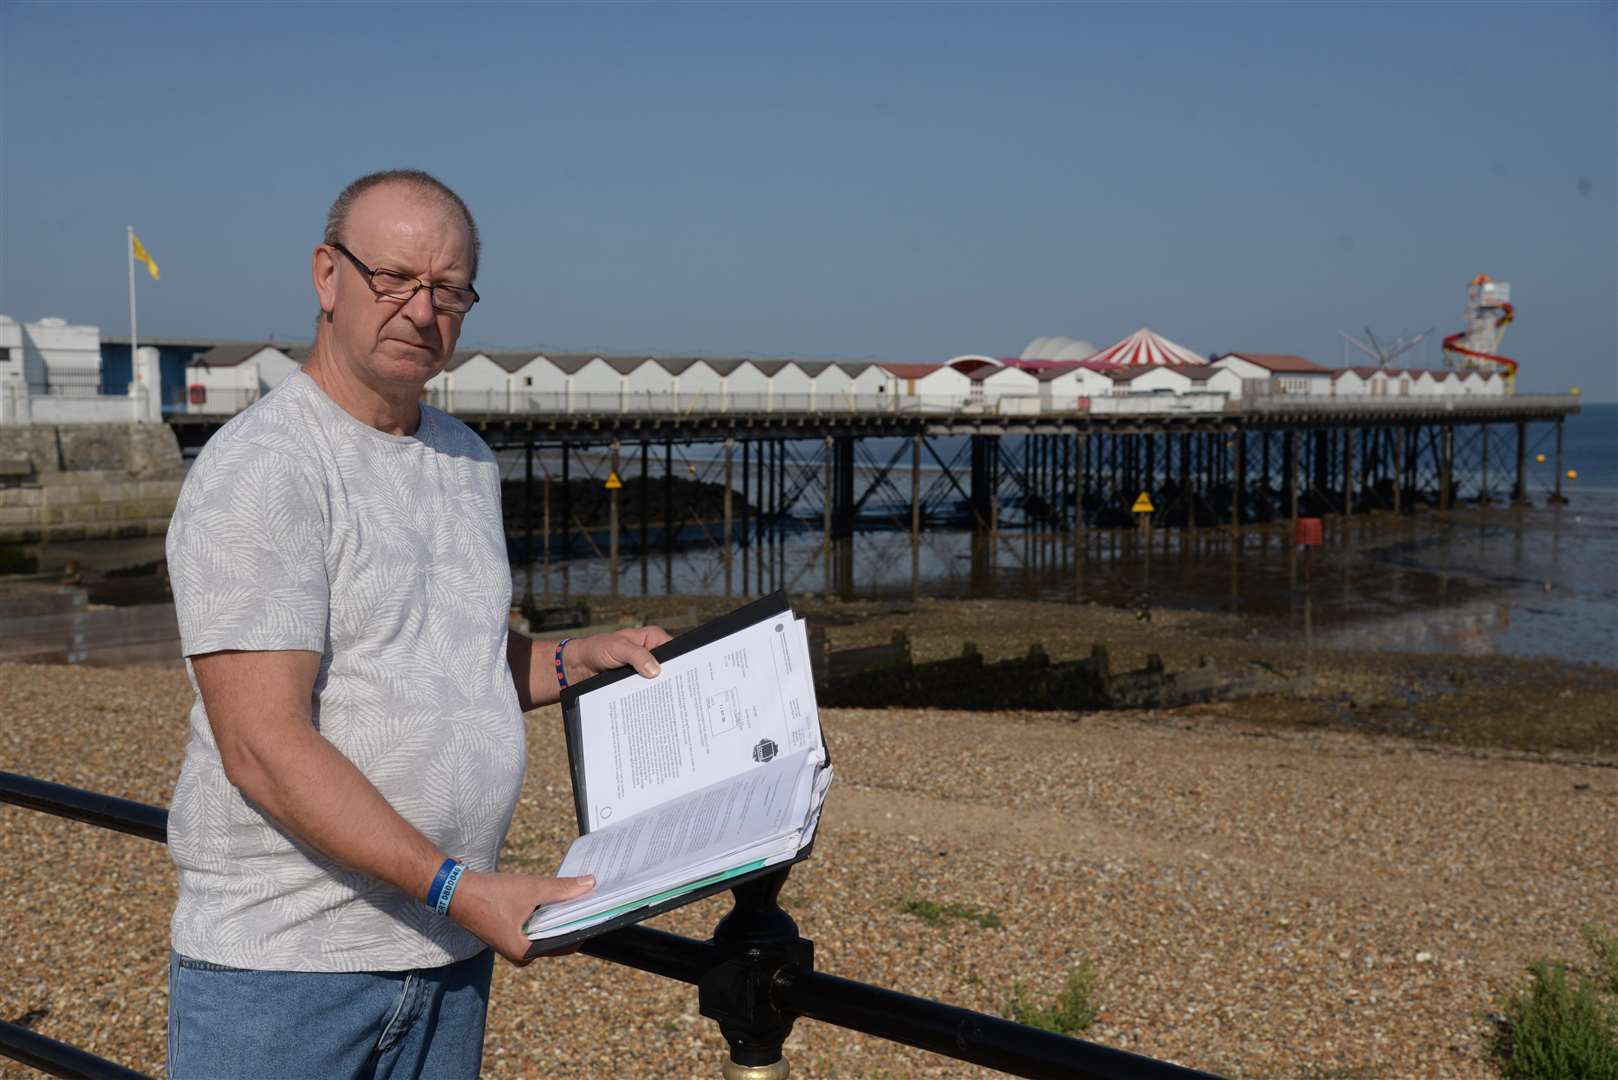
(765, 750)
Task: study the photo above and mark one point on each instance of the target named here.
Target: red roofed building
(1279, 373)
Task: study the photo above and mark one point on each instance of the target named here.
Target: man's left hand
(631, 647)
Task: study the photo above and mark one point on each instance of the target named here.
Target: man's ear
(323, 269)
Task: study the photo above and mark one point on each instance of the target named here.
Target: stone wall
(87, 481)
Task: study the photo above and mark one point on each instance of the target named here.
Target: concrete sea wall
(87, 481)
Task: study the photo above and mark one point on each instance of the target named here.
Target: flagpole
(129, 254)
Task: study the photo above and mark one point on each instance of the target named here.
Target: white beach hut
(697, 386)
(870, 385)
(1279, 373)
(1070, 387)
(1352, 382)
(1006, 389)
(928, 387)
(228, 378)
(830, 385)
(791, 388)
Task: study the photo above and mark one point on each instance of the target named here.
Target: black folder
(706, 634)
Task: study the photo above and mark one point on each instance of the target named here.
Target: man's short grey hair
(425, 183)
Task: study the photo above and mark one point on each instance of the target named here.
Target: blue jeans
(383, 1025)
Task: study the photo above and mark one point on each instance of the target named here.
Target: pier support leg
(1238, 477)
(985, 473)
(1264, 472)
(1320, 470)
(1398, 468)
(668, 517)
(645, 495)
(1348, 472)
(1483, 474)
(528, 519)
(1294, 469)
(825, 533)
(612, 522)
(745, 538)
(1081, 486)
(567, 506)
(915, 517)
(725, 540)
(1446, 467)
(1519, 489)
(1556, 496)
(843, 520)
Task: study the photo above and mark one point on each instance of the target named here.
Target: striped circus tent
(1144, 347)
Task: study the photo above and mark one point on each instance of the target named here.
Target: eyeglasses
(397, 285)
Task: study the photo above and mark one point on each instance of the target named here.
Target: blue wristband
(439, 879)
(448, 891)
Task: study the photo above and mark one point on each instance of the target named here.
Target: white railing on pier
(487, 403)
(714, 403)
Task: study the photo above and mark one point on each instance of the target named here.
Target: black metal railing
(755, 978)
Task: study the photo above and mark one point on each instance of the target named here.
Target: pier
(906, 464)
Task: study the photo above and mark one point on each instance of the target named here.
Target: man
(357, 742)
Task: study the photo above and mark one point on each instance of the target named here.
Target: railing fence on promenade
(755, 978)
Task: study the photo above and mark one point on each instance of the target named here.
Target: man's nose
(419, 308)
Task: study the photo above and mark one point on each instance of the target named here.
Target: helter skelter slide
(1488, 311)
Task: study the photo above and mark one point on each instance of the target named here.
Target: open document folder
(686, 783)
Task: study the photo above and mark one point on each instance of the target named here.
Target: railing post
(757, 941)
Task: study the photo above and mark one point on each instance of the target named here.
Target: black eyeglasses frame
(431, 287)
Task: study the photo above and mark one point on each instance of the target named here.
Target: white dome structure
(1058, 348)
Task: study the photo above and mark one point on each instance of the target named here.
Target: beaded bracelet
(561, 673)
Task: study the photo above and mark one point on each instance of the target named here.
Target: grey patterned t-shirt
(299, 527)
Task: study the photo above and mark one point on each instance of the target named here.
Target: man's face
(393, 343)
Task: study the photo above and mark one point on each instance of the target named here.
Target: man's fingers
(647, 664)
(640, 658)
(568, 888)
(653, 636)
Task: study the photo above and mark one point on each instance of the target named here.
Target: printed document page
(712, 713)
(757, 817)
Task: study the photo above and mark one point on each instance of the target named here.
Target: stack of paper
(713, 769)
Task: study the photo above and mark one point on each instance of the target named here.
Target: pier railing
(755, 978)
(217, 403)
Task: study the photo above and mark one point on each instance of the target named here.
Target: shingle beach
(1260, 892)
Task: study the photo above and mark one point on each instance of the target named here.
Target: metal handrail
(58, 1058)
(791, 989)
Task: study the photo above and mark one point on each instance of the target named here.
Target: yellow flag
(138, 249)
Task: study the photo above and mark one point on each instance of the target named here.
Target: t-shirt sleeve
(247, 553)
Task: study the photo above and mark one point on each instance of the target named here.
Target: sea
(1536, 582)
(1540, 581)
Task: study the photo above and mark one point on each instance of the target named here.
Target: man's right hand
(494, 906)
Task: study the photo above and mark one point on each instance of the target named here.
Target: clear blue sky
(900, 181)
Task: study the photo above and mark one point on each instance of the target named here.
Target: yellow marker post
(613, 483)
(1143, 510)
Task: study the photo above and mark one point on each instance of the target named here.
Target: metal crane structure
(1488, 313)
(1385, 353)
